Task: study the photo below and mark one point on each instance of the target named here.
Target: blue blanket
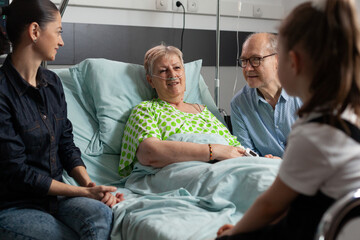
(190, 200)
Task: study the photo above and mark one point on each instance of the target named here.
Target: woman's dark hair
(329, 32)
(20, 13)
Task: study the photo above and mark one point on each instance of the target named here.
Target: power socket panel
(179, 9)
(162, 5)
(192, 5)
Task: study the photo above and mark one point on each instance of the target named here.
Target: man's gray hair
(272, 40)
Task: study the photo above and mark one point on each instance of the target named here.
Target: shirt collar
(283, 96)
(258, 97)
(18, 81)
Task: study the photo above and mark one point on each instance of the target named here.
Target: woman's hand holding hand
(89, 189)
(110, 200)
(225, 230)
(222, 152)
(103, 194)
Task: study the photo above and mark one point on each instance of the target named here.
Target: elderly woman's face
(168, 77)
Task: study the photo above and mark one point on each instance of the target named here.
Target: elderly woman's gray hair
(159, 51)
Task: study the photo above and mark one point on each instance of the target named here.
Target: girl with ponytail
(319, 61)
(36, 141)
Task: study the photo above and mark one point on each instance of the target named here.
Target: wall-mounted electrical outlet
(179, 9)
(257, 11)
(162, 4)
(192, 5)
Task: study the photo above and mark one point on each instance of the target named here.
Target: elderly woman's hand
(222, 152)
(225, 230)
(271, 156)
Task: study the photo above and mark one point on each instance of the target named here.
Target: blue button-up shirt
(260, 127)
(36, 140)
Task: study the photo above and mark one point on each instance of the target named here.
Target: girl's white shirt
(321, 157)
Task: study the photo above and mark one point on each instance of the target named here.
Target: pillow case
(110, 89)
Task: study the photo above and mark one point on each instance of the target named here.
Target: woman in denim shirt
(36, 140)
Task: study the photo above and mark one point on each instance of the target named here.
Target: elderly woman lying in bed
(152, 122)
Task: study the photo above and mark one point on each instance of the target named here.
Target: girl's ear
(149, 80)
(34, 31)
(295, 62)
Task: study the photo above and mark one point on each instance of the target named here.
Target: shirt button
(277, 126)
(44, 117)
(52, 138)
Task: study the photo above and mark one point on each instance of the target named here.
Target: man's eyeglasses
(254, 61)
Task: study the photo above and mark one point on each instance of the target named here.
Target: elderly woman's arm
(158, 153)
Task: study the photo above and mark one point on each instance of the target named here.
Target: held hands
(110, 200)
(271, 156)
(103, 194)
(222, 152)
(225, 230)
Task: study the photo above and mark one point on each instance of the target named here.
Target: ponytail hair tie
(319, 5)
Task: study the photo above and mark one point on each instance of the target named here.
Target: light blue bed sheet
(190, 200)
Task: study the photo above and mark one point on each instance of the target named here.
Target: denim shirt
(36, 140)
(260, 127)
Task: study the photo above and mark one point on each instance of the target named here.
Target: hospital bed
(188, 200)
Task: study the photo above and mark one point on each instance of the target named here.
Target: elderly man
(262, 112)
